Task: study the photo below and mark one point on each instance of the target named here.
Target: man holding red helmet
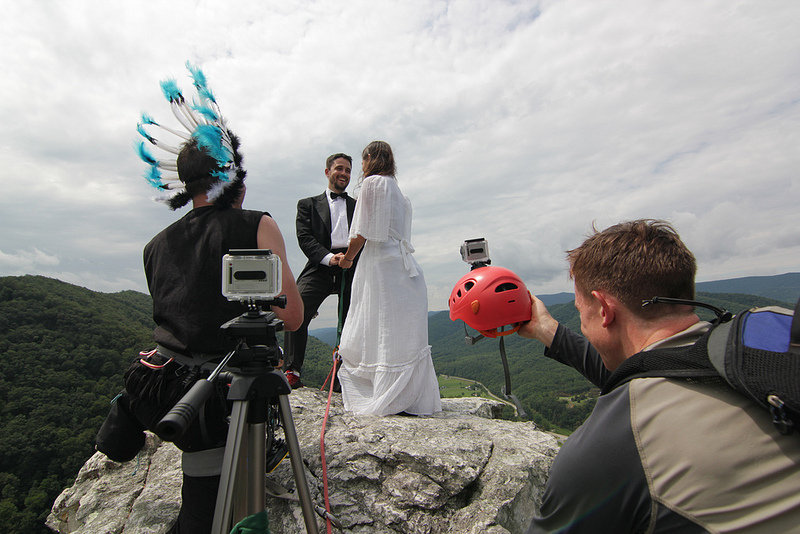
(656, 454)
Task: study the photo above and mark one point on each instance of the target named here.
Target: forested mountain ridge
(782, 287)
(63, 351)
(64, 348)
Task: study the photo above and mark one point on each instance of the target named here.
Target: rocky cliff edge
(459, 471)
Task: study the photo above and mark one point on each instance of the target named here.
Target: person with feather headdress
(182, 265)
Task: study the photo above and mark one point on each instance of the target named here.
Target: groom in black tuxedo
(323, 228)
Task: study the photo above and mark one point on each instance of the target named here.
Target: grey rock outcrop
(141, 496)
(457, 471)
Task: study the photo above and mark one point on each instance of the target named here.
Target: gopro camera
(251, 274)
(476, 252)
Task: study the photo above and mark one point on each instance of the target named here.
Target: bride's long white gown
(386, 360)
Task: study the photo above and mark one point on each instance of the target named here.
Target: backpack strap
(668, 373)
(677, 362)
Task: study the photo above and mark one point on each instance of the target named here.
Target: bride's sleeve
(371, 218)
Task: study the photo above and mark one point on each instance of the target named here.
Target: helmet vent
(469, 285)
(505, 286)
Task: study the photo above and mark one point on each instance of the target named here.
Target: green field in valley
(451, 387)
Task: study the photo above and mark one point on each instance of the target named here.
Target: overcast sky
(523, 122)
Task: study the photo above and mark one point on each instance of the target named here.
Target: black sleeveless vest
(183, 265)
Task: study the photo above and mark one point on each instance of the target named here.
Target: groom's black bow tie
(334, 196)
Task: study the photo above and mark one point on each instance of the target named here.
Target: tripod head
(255, 357)
(255, 332)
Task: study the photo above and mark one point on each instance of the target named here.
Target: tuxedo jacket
(313, 226)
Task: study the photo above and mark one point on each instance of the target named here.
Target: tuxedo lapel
(351, 209)
(324, 213)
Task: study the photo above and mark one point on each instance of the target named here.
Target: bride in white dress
(386, 360)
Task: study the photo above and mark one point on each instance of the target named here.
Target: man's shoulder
(233, 216)
(201, 218)
(695, 418)
(723, 444)
(255, 213)
(160, 236)
(682, 338)
(148, 248)
(312, 198)
(308, 204)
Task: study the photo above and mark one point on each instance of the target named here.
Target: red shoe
(294, 379)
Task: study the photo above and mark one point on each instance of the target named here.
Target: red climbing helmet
(490, 298)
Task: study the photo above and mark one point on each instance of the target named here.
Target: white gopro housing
(475, 251)
(251, 274)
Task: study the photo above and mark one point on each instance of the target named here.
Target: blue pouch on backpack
(758, 354)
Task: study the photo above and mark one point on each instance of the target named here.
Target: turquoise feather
(207, 112)
(143, 133)
(171, 90)
(146, 156)
(209, 137)
(153, 177)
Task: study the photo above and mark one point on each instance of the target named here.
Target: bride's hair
(380, 159)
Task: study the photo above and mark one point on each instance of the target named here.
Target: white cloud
(521, 122)
(24, 261)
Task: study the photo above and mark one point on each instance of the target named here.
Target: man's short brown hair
(635, 261)
(334, 157)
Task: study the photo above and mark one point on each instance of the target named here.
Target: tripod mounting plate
(255, 387)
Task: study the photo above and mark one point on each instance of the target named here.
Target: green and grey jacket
(667, 455)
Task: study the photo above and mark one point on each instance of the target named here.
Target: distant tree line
(541, 384)
(63, 350)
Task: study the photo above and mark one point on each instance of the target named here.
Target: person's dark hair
(195, 168)
(635, 261)
(334, 157)
(380, 159)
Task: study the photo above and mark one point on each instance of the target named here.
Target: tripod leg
(233, 448)
(256, 467)
(297, 465)
(239, 505)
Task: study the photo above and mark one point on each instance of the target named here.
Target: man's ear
(608, 307)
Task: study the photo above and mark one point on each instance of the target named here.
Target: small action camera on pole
(492, 300)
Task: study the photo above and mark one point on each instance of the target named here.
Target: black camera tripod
(256, 388)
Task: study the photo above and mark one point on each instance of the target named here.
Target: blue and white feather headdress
(201, 119)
